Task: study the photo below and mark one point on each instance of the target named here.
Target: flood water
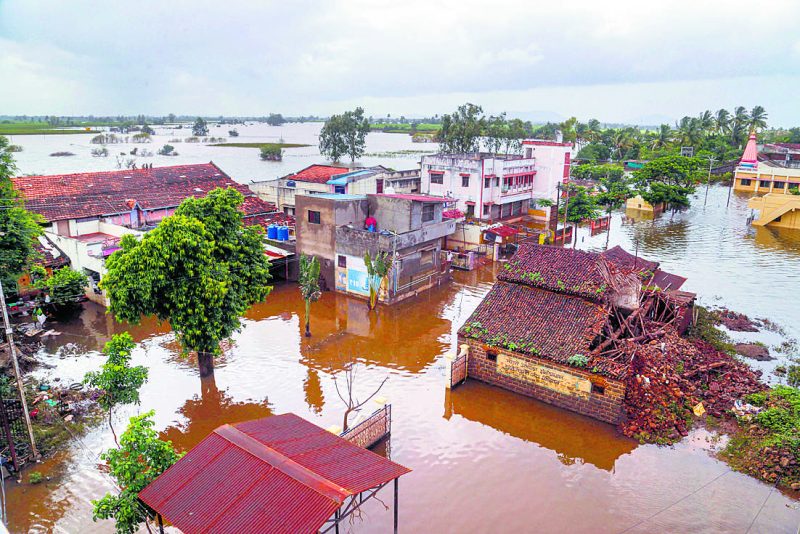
(483, 459)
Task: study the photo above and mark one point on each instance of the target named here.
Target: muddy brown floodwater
(483, 459)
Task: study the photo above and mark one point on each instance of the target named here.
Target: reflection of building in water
(313, 390)
(572, 437)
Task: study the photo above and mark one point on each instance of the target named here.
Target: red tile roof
(92, 194)
(277, 474)
(317, 174)
(534, 321)
(625, 260)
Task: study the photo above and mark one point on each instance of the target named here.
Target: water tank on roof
(283, 233)
(291, 183)
(272, 231)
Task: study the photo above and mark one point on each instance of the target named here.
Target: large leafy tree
(140, 459)
(344, 134)
(200, 127)
(461, 132)
(200, 269)
(669, 179)
(117, 380)
(18, 227)
(309, 285)
(582, 206)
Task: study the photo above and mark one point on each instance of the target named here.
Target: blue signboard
(358, 282)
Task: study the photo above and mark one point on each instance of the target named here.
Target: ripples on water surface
(483, 459)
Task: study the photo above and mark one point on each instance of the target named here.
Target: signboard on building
(533, 373)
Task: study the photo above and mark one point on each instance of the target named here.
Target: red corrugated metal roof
(277, 474)
(503, 230)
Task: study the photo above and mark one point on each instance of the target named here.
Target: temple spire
(750, 156)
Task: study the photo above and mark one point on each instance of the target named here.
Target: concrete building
(331, 179)
(776, 210)
(87, 214)
(332, 227)
(407, 181)
(489, 187)
(759, 174)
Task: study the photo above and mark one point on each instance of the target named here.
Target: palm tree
(722, 121)
(378, 268)
(689, 131)
(309, 285)
(739, 125)
(662, 137)
(593, 130)
(706, 120)
(758, 118)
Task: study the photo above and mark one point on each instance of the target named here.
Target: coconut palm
(689, 131)
(758, 118)
(722, 121)
(706, 122)
(662, 138)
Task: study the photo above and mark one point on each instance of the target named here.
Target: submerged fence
(372, 429)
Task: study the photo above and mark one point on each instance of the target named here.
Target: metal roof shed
(277, 474)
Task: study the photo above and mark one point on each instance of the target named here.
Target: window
(598, 390)
(491, 355)
(437, 177)
(470, 211)
(288, 211)
(379, 186)
(779, 185)
(338, 189)
(313, 217)
(426, 258)
(341, 261)
(763, 183)
(485, 210)
(745, 182)
(428, 212)
(487, 182)
(464, 181)
(497, 181)
(793, 185)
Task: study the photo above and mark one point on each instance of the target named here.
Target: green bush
(35, 477)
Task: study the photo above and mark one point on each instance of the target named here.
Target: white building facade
(493, 186)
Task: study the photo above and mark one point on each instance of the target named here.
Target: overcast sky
(618, 61)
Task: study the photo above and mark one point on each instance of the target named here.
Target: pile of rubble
(673, 378)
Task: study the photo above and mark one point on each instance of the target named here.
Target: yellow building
(754, 176)
(640, 204)
(776, 210)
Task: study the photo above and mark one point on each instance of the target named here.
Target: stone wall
(606, 406)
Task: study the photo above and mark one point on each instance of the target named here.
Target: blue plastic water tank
(272, 231)
(283, 233)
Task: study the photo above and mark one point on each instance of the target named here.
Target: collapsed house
(558, 322)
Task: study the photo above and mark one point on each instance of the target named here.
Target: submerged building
(776, 211)
(766, 172)
(338, 229)
(86, 214)
(538, 330)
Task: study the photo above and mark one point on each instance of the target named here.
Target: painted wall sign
(533, 373)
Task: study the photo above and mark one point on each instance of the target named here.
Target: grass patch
(705, 329)
(391, 127)
(767, 445)
(40, 128)
(261, 145)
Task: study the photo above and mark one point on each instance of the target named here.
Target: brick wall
(606, 407)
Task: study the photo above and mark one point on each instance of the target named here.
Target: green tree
(344, 134)
(65, 286)
(673, 170)
(200, 127)
(18, 226)
(461, 132)
(200, 269)
(378, 268)
(275, 119)
(582, 206)
(758, 118)
(614, 190)
(118, 381)
(308, 281)
(139, 460)
(722, 122)
(146, 129)
(496, 133)
(271, 153)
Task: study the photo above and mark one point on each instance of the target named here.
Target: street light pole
(20, 387)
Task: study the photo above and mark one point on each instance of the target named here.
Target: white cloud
(295, 57)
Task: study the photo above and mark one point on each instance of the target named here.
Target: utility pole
(711, 160)
(20, 387)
